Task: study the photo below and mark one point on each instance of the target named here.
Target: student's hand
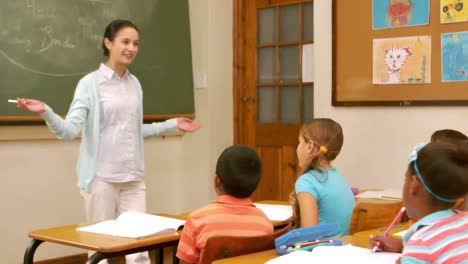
(186, 124)
(31, 105)
(386, 243)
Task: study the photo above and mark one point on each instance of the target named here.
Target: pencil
(398, 216)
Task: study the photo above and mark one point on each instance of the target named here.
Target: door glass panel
(266, 70)
(266, 102)
(308, 103)
(289, 23)
(308, 12)
(289, 105)
(289, 64)
(266, 26)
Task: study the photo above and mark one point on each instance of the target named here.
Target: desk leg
(175, 259)
(159, 255)
(95, 258)
(29, 254)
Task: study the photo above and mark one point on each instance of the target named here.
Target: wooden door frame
(239, 37)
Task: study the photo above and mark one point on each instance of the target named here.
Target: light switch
(200, 80)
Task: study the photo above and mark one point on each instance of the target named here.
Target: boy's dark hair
(448, 135)
(113, 28)
(239, 168)
(444, 168)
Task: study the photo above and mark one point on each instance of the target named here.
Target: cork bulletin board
(354, 81)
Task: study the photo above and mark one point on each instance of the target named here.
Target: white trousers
(108, 200)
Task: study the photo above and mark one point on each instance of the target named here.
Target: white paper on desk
(338, 255)
(296, 257)
(401, 233)
(134, 225)
(276, 212)
(381, 194)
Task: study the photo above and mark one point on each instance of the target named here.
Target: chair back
(371, 214)
(219, 247)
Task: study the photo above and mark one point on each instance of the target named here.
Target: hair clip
(323, 149)
(414, 154)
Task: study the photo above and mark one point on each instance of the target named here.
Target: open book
(337, 255)
(134, 225)
(386, 194)
(275, 212)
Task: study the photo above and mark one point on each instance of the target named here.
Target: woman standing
(108, 108)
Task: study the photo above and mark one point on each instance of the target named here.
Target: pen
(311, 243)
(309, 248)
(390, 197)
(400, 213)
(12, 101)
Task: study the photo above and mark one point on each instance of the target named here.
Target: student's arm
(386, 243)
(187, 251)
(308, 208)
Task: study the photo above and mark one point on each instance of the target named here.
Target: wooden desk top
(274, 202)
(67, 235)
(397, 228)
(264, 256)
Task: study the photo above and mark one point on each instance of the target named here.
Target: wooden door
(273, 85)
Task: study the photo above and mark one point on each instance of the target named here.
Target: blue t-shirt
(335, 200)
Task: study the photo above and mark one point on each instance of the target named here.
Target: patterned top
(226, 216)
(441, 237)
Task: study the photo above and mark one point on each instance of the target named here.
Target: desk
(397, 228)
(264, 256)
(105, 246)
(110, 246)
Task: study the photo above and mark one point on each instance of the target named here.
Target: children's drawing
(402, 60)
(455, 56)
(452, 11)
(399, 13)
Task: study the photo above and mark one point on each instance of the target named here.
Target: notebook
(135, 225)
(276, 212)
(337, 255)
(386, 194)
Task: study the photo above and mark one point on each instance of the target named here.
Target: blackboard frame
(163, 67)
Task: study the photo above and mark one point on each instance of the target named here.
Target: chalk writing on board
(59, 38)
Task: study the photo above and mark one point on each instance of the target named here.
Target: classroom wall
(378, 140)
(38, 175)
(39, 184)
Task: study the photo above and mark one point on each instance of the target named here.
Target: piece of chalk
(13, 101)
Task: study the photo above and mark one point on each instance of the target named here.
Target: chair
(219, 247)
(370, 215)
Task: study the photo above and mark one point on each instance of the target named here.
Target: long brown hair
(327, 135)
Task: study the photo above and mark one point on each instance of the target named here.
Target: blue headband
(412, 160)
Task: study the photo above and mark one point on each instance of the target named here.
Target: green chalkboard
(46, 46)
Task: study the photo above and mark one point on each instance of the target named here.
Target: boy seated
(238, 172)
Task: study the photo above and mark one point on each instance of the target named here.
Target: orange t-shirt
(226, 216)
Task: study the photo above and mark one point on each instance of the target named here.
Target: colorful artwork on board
(452, 11)
(404, 60)
(454, 56)
(399, 13)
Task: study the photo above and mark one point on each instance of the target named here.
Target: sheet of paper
(338, 255)
(276, 212)
(296, 257)
(134, 225)
(386, 194)
(401, 233)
